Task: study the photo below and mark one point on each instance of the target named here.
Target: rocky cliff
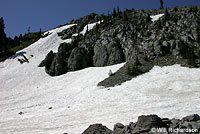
(132, 36)
(151, 124)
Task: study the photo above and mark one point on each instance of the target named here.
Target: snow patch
(156, 17)
(59, 29)
(89, 27)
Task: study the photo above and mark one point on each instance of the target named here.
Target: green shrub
(125, 16)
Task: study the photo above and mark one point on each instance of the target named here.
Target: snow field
(77, 102)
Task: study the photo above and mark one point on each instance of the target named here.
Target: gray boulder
(175, 123)
(145, 123)
(158, 48)
(108, 52)
(47, 61)
(51, 70)
(54, 62)
(79, 59)
(191, 125)
(61, 65)
(121, 129)
(179, 48)
(100, 58)
(97, 129)
(194, 117)
(58, 66)
(65, 49)
(66, 34)
(118, 128)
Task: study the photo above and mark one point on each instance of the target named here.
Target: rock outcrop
(172, 39)
(107, 52)
(79, 59)
(97, 129)
(151, 124)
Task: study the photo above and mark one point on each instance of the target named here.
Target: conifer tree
(125, 17)
(29, 30)
(2, 35)
(114, 12)
(2, 26)
(107, 18)
(21, 37)
(16, 41)
(161, 4)
(118, 10)
(148, 19)
(108, 13)
(167, 16)
(40, 33)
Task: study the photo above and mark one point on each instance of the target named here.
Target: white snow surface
(89, 27)
(156, 17)
(77, 102)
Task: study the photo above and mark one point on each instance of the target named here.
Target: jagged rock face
(97, 129)
(145, 123)
(67, 59)
(60, 64)
(194, 117)
(142, 126)
(66, 34)
(152, 124)
(53, 64)
(57, 65)
(107, 52)
(179, 47)
(101, 56)
(65, 49)
(119, 128)
(47, 61)
(120, 39)
(79, 59)
(83, 21)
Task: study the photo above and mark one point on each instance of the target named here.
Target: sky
(47, 14)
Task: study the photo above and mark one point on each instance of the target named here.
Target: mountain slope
(141, 38)
(33, 102)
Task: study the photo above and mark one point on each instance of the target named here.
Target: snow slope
(77, 102)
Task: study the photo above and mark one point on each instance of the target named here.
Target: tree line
(9, 46)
